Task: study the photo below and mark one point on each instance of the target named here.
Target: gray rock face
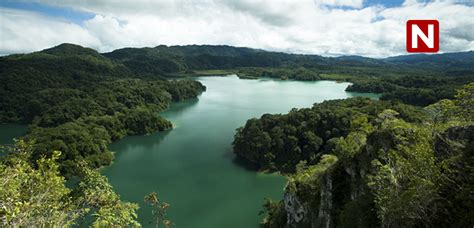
(325, 206)
(300, 215)
(296, 212)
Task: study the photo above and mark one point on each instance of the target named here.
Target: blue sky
(372, 28)
(79, 16)
(387, 3)
(67, 13)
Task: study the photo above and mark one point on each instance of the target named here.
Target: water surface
(8, 132)
(192, 167)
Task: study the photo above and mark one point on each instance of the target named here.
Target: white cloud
(305, 26)
(348, 3)
(23, 31)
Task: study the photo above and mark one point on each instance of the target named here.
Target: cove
(192, 166)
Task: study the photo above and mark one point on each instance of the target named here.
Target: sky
(372, 28)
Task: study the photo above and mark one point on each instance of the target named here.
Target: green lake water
(192, 167)
(10, 131)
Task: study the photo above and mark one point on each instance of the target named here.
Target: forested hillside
(413, 89)
(76, 102)
(365, 163)
(176, 59)
(452, 61)
(279, 142)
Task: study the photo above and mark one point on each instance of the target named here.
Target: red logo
(422, 36)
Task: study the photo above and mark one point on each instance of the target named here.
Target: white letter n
(416, 32)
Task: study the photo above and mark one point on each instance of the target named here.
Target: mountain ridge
(169, 61)
(186, 50)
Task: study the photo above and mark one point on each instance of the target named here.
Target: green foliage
(448, 113)
(36, 195)
(441, 111)
(391, 169)
(76, 101)
(169, 60)
(414, 90)
(384, 158)
(79, 101)
(454, 150)
(306, 182)
(24, 76)
(275, 214)
(279, 142)
(404, 174)
(301, 73)
(117, 215)
(305, 185)
(414, 79)
(348, 147)
(465, 102)
(158, 209)
(75, 67)
(96, 193)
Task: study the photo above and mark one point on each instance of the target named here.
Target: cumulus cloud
(23, 31)
(327, 27)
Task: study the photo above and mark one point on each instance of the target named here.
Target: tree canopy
(374, 164)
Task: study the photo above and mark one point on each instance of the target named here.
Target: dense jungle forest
(406, 159)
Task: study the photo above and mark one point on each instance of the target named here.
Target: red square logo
(423, 36)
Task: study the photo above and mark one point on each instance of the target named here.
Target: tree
(465, 101)
(32, 196)
(36, 194)
(404, 173)
(158, 209)
(96, 193)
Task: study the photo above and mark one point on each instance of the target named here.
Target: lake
(192, 167)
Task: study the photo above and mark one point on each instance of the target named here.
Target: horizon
(330, 28)
(217, 45)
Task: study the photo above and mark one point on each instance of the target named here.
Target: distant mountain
(358, 60)
(213, 50)
(463, 60)
(438, 58)
(355, 58)
(453, 64)
(168, 60)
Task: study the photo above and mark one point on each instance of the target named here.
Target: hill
(172, 59)
(77, 100)
(449, 61)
